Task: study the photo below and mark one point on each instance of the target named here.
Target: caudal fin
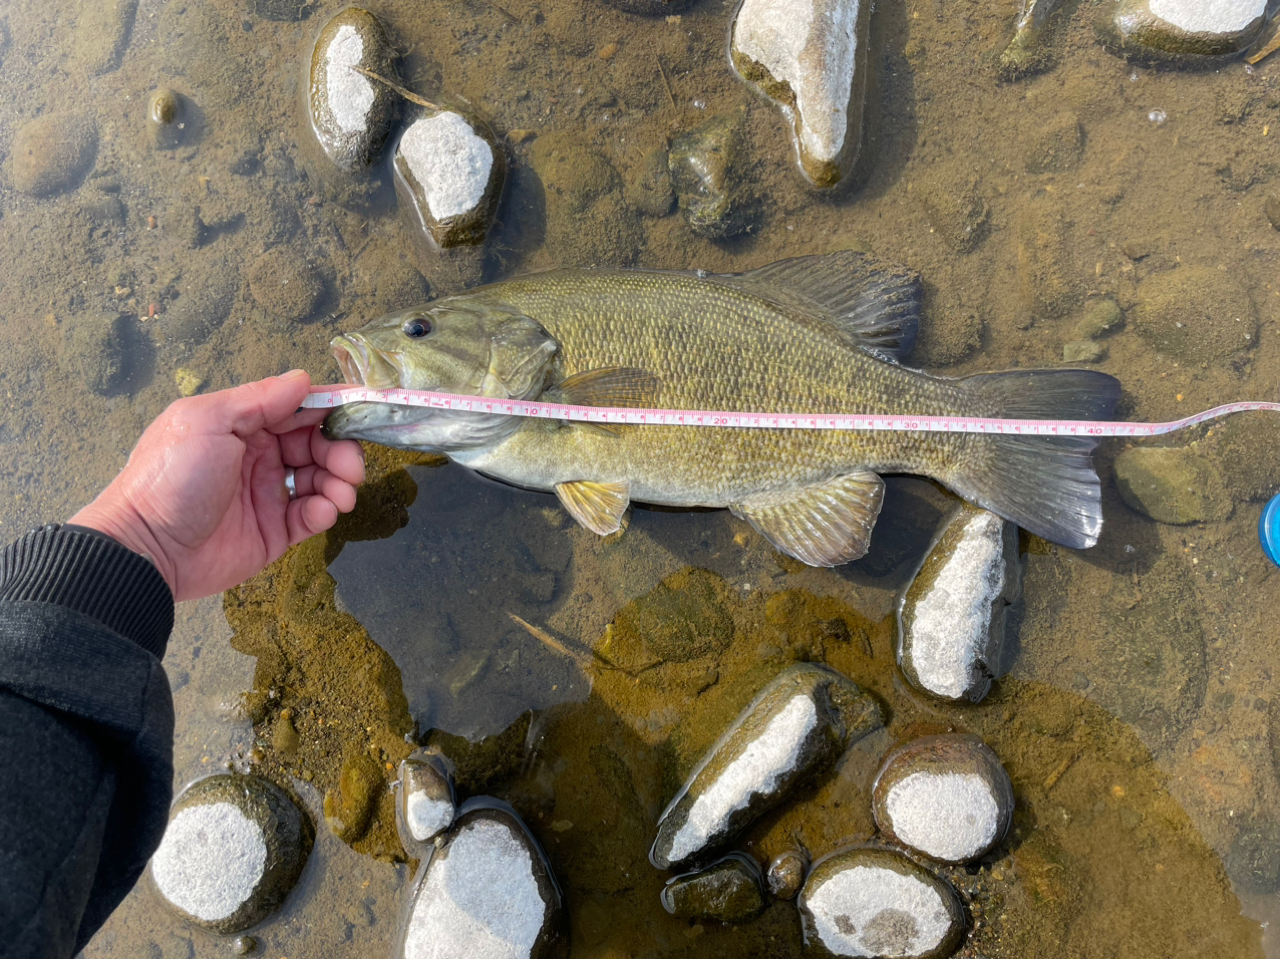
(1045, 484)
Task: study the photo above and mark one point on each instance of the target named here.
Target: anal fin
(597, 506)
(826, 524)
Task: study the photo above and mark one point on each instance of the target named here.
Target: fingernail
(296, 372)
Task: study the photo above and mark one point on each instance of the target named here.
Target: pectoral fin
(597, 506)
(822, 525)
(607, 386)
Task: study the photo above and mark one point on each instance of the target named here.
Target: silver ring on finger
(290, 482)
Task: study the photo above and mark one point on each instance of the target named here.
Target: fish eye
(416, 328)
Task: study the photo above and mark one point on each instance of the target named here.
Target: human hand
(203, 494)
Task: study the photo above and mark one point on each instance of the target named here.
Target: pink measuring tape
(326, 397)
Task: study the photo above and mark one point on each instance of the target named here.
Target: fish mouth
(363, 365)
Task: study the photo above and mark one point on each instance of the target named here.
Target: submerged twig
(407, 94)
(665, 82)
(584, 659)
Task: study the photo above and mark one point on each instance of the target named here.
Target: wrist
(131, 531)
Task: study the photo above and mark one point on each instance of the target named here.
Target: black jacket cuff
(88, 571)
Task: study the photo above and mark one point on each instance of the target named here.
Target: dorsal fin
(877, 304)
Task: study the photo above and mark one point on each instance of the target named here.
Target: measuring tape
(326, 397)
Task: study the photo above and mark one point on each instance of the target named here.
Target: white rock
(350, 113)
(947, 816)
(426, 815)
(871, 902)
(1181, 29)
(210, 861)
(1208, 16)
(810, 56)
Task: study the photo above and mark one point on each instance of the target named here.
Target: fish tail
(1045, 484)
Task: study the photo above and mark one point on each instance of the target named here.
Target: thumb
(256, 406)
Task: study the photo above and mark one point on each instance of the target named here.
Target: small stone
(786, 872)
(487, 893)
(102, 33)
(1057, 146)
(1025, 54)
(704, 174)
(876, 902)
(728, 890)
(1193, 313)
(810, 56)
(285, 285)
(799, 724)
(166, 118)
(351, 113)
(951, 617)
(1050, 285)
(188, 381)
(1175, 485)
(95, 347)
(199, 309)
(1083, 351)
(284, 737)
(244, 945)
(1099, 317)
(348, 809)
(957, 213)
(52, 153)
(650, 192)
(234, 848)
(449, 171)
(947, 797)
(1272, 209)
(1180, 30)
(424, 802)
(1254, 860)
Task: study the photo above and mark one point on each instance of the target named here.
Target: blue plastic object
(1269, 530)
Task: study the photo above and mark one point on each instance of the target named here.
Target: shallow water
(1140, 723)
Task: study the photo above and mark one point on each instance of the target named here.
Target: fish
(820, 334)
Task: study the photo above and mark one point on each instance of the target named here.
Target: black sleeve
(86, 733)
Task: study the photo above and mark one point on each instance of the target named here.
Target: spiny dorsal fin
(823, 525)
(608, 386)
(877, 304)
(597, 506)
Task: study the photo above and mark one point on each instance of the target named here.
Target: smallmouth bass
(814, 334)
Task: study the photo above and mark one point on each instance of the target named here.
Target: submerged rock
(285, 285)
(424, 802)
(52, 153)
(704, 174)
(1195, 313)
(728, 890)
(102, 33)
(945, 796)
(798, 724)
(351, 113)
(951, 618)
(1025, 54)
(1181, 29)
(811, 57)
(487, 893)
(650, 191)
(449, 171)
(1175, 485)
(785, 874)
(95, 347)
(166, 118)
(875, 902)
(234, 847)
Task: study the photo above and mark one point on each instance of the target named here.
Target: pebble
(876, 902)
(487, 893)
(52, 153)
(244, 945)
(728, 890)
(810, 56)
(95, 348)
(187, 381)
(798, 724)
(351, 114)
(785, 874)
(1185, 30)
(1195, 313)
(951, 617)
(166, 118)
(349, 808)
(650, 192)
(424, 802)
(1098, 318)
(449, 171)
(1083, 351)
(285, 285)
(946, 796)
(1174, 485)
(234, 847)
(703, 164)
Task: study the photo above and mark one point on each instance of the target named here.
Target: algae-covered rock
(1174, 485)
(682, 618)
(796, 726)
(1195, 313)
(786, 873)
(1183, 31)
(95, 348)
(588, 221)
(1057, 146)
(728, 890)
(348, 808)
(649, 189)
(705, 174)
(234, 847)
(52, 153)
